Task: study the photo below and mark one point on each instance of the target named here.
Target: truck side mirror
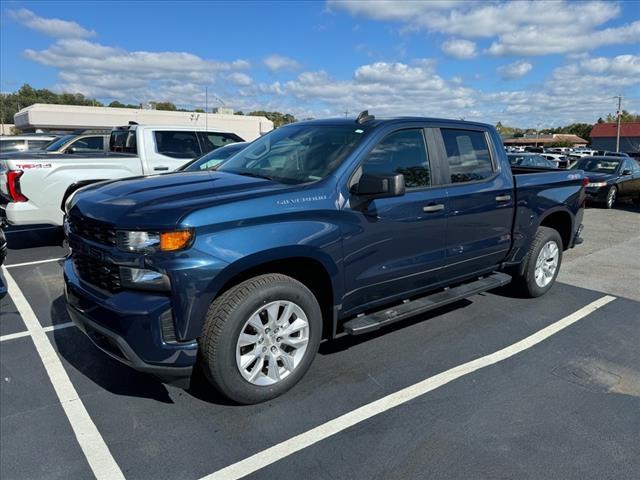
(626, 172)
(71, 150)
(379, 186)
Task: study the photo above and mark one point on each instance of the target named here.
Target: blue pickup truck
(315, 230)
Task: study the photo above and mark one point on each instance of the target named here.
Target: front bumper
(128, 326)
(597, 194)
(27, 213)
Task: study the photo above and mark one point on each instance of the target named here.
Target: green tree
(26, 95)
(165, 106)
(277, 118)
(624, 117)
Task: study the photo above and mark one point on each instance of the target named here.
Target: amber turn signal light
(170, 241)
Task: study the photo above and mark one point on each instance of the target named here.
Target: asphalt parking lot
(490, 387)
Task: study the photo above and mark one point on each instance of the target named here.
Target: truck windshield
(598, 165)
(296, 154)
(55, 145)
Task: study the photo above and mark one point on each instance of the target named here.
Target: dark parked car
(316, 229)
(213, 159)
(529, 160)
(610, 178)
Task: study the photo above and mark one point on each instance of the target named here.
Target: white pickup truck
(32, 190)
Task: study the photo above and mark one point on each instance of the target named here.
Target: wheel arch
(314, 269)
(560, 220)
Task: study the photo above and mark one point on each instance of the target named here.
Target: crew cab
(35, 186)
(315, 230)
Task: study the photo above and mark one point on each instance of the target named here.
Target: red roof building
(603, 136)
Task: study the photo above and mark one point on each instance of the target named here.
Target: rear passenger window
(177, 144)
(210, 141)
(88, 144)
(401, 152)
(467, 155)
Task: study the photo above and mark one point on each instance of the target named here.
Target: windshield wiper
(254, 175)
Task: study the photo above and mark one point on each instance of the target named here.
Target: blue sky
(524, 63)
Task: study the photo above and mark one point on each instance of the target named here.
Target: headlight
(597, 184)
(144, 279)
(149, 242)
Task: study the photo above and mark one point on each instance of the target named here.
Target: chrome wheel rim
(272, 343)
(547, 263)
(611, 197)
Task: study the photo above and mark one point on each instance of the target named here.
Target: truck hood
(162, 201)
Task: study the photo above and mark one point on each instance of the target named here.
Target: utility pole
(346, 113)
(206, 108)
(619, 97)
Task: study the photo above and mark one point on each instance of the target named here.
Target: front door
(394, 246)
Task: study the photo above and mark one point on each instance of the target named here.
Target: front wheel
(612, 195)
(542, 263)
(260, 338)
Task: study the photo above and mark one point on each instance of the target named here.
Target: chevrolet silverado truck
(316, 230)
(33, 187)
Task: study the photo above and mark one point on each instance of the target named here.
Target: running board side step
(382, 318)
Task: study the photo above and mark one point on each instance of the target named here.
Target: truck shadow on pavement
(345, 342)
(23, 239)
(76, 349)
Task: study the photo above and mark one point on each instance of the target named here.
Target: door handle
(433, 208)
(161, 169)
(503, 198)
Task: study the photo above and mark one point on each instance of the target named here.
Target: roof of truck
(388, 120)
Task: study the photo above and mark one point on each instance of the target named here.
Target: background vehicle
(37, 186)
(615, 154)
(530, 160)
(610, 178)
(534, 149)
(214, 159)
(561, 161)
(315, 229)
(22, 143)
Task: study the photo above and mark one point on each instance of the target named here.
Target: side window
(88, 144)
(467, 155)
(123, 141)
(36, 144)
(210, 141)
(13, 145)
(401, 152)
(177, 144)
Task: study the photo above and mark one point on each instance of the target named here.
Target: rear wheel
(260, 337)
(542, 263)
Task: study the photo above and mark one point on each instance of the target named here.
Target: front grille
(93, 230)
(96, 272)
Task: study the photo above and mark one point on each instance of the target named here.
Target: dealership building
(66, 118)
(532, 140)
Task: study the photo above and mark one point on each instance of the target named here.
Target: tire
(265, 300)
(530, 285)
(612, 195)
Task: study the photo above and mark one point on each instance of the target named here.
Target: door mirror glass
(379, 186)
(72, 150)
(626, 172)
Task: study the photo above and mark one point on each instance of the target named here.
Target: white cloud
(537, 27)
(277, 62)
(240, 79)
(109, 72)
(53, 27)
(515, 70)
(459, 48)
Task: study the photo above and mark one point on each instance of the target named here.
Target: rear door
(395, 246)
(166, 150)
(480, 205)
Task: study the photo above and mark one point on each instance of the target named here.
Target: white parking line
(91, 442)
(26, 333)
(35, 262)
(299, 442)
